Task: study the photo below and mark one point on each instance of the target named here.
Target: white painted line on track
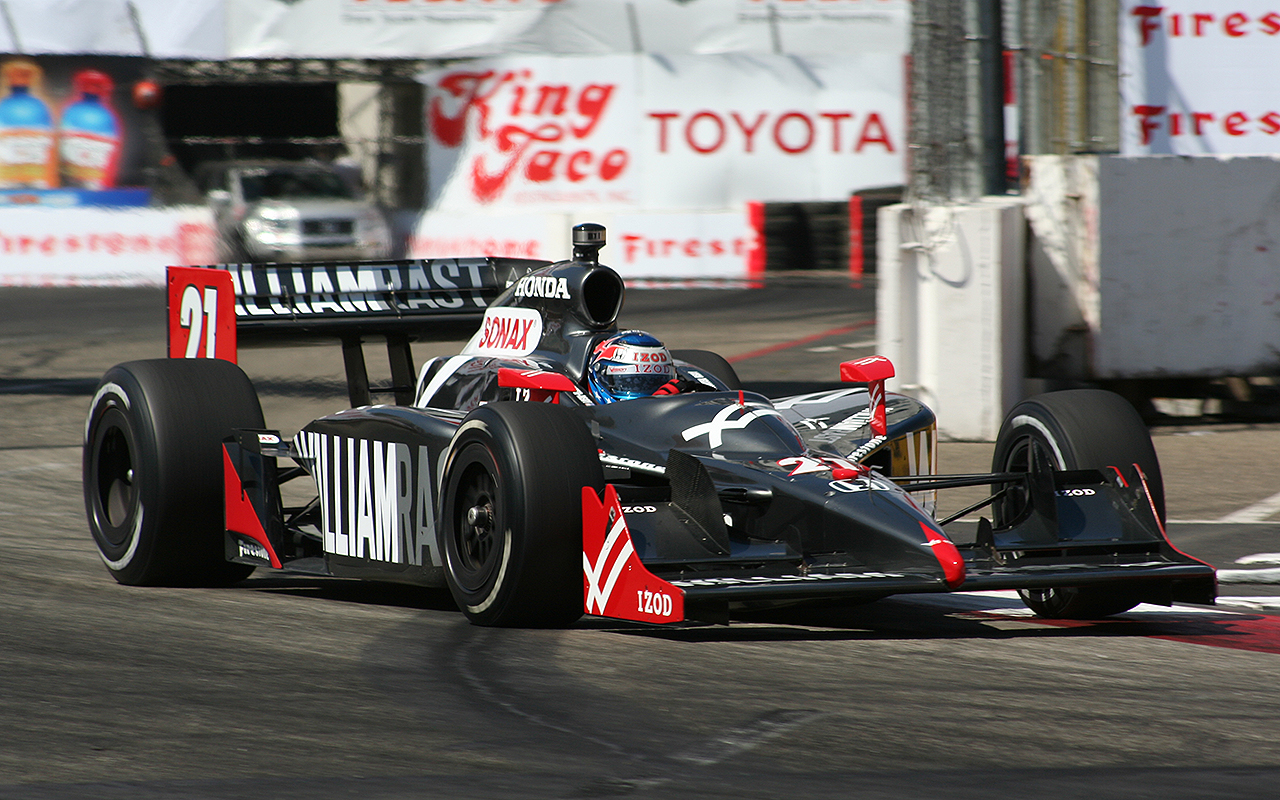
(1249, 575)
(1270, 559)
(1141, 608)
(1221, 521)
(831, 348)
(768, 726)
(1258, 512)
(1252, 603)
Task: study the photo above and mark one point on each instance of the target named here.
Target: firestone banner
(660, 246)
(619, 133)
(1196, 77)
(101, 247)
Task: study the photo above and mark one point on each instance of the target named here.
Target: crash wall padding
(1154, 267)
(950, 310)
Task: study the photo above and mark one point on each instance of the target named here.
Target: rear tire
(152, 469)
(1076, 429)
(511, 522)
(713, 363)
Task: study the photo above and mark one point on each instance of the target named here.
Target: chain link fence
(1056, 62)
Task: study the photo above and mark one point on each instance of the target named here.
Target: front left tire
(152, 469)
(512, 514)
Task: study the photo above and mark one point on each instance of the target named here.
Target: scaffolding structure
(389, 144)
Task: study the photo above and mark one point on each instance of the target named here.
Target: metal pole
(991, 95)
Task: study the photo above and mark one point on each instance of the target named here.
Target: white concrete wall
(950, 310)
(1190, 266)
(1062, 264)
(1146, 267)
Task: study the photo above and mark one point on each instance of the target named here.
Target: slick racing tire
(152, 469)
(511, 519)
(1076, 429)
(713, 363)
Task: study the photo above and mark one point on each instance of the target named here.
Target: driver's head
(628, 365)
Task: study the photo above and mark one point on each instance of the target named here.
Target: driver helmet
(628, 365)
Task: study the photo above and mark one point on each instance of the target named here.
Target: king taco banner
(620, 133)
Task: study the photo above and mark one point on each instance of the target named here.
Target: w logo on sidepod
(614, 581)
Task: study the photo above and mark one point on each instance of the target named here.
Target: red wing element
(873, 371)
(202, 313)
(1151, 501)
(614, 582)
(240, 515)
(542, 384)
(947, 554)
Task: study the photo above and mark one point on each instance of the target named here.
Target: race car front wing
(1080, 529)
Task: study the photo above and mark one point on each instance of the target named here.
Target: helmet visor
(624, 382)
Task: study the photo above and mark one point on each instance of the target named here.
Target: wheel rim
(477, 520)
(1018, 458)
(1014, 502)
(115, 494)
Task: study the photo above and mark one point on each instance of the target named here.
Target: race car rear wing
(213, 311)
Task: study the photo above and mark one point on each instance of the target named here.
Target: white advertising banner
(649, 133)
(1197, 77)
(684, 246)
(101, 247)
(471, 28)
(641, 246)
(219, 29)
(443, 235)
(155, 28)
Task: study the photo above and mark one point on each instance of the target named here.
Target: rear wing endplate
(214, 311)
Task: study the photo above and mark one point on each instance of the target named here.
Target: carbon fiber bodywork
(728, 496)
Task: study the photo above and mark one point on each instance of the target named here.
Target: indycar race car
(512, 475)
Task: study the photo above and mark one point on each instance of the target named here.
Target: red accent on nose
(947, 554)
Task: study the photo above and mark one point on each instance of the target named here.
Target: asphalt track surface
(290, 688)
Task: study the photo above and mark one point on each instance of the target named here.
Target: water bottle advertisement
(69, 132)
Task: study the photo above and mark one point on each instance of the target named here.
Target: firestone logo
(539, 132)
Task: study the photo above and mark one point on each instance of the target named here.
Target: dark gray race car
(498, 474)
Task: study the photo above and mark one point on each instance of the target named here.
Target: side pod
(614, 581)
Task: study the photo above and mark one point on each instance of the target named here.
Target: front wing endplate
(614, 581)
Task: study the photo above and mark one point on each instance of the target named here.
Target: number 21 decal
(202, 320)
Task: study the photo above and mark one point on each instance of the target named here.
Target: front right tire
(1076, 429)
